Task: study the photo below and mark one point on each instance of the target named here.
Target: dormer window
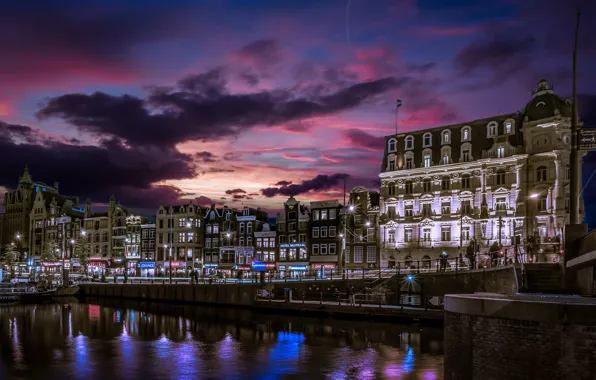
(446, 137)
(466, 134)
(427, 140)
(409, 142)
(507, 127)
(492, 129)
(392, 145)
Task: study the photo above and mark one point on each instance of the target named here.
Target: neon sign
(293, 245)
(259, 266)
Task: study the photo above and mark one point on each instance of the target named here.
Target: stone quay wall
(498, 337)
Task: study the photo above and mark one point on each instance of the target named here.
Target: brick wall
(501, 349)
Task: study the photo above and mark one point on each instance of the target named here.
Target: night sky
(247, 102)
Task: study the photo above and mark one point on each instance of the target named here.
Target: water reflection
(95, 341)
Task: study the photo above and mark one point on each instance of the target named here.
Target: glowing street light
(227, 235)
(367, 224)
(18, 236)
(410, 278)
(72, 241)
(188, 225)
(351, 208)
(83, 232)
(534, 196)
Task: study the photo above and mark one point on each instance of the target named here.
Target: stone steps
(545, 278)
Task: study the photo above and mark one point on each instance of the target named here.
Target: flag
(399, 103)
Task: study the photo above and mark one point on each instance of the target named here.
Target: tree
(83, 252)
(9, 257)
(48, 252)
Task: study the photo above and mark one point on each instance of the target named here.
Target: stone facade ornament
(455, 175)
(436, 177)
(418, 179)
(400, 181)
(490, 170)
(476, 173)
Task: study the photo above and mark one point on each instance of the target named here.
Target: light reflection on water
(83, 341)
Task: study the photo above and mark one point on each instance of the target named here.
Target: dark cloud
(586, 104)
(93, 171)
(283, 183)
(235, 191)
(199, 110)
(241, 196)
(320, 182)
(364, 140)
(261, 54)
(206, 157)
(499, 54)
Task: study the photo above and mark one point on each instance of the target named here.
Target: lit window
(427, 160)
(465, 155)
(445, 159)
(391, 163)
(492, 130)
(409, 160)
(508, 128)
(446, 137)
(500, 152)
(465, 134)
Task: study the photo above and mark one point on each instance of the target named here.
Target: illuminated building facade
(362, 230)
(488, 180)
(292, 232)
(266, 242)
(249, 220)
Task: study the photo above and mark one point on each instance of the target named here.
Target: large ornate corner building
(489, 180)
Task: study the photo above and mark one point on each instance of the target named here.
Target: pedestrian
(351, 295)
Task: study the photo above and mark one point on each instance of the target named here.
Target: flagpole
(399, 104)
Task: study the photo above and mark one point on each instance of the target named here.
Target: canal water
(94, 340)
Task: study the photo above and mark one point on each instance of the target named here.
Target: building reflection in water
(89, 341)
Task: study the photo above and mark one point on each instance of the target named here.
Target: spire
(26, 178)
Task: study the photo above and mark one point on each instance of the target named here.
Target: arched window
(466, 134)
(241, 241)
(446, 137)
(445, 183)
(491, 129)
(542, 202)
(409, 188)
(446, 155)
(427, 158)
(392, 145)
(427, 140)
(391, 163)
(541, 174)
(427, 185)
(466, 152)
(408, 260)
(501, 177)
(409, 142)
(409, 159)
(465, 181)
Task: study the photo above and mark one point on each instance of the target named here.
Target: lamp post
(189, 227)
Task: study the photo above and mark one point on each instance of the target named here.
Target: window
(409, 160)
(315, 232)
(181, 237)
(445, 159)
(324, 214)
(500, 152)
(446, 137)
(508, 127)
(426, 209)
(409, 210)
(358, 254)
(501, 177)
(282, 226)
(465, 181)
(242, 228)
(323, 232)
(426, 234)
(409, 142)
(316, 215)
(370, 235)
(445, 183)
(391, 236)
(315, 249)
(332, 214)
(392, 145)
(466, 208)
(465, 134)
(391, 166)
(282, 239)
(292, 227)
(409, 187)
(445, 233)
(182, 222)
(542, 203)
(215, 229)
(191, 237)
(492, 129)
(241, 241)
(426, 185)
(446, 208)
(426, 160)
(323, 249)
(465, 233)
(260, 242)
(371, 254)
(500, 204)
(249, 228)
(292, 238)
(391, 212)
(408, 235)
(541, 174)
(567, 173)
(332, 231)
(332, 250)
(283, 253)
(427, 140)
(391, 188)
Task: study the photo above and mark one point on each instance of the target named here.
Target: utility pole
(500, 229)
(171, 222)
(340, 264)
(574, 160)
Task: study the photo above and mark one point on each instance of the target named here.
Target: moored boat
(24, 293)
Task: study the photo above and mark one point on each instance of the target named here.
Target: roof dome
(545, 104)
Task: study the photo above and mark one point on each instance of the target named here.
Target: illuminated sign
(320, 266)
(147, 265)
(51, 264)
(175, 264)
(587, 139)
(259, 266)
(297, 267)
(118, 260)
(293, 245)
(210, 265)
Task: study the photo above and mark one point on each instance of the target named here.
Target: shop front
(292, 270)
(147, 268)
(132, 267)
(96, 267)
(324, 270)
(210, 269)
(178, 268)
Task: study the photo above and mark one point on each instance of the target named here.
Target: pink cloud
(363, 140)
(296, 157)
(330, 158)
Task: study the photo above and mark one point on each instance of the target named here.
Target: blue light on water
(410, 278)
(409, 359)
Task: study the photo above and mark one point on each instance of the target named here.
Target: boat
(24, 293)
